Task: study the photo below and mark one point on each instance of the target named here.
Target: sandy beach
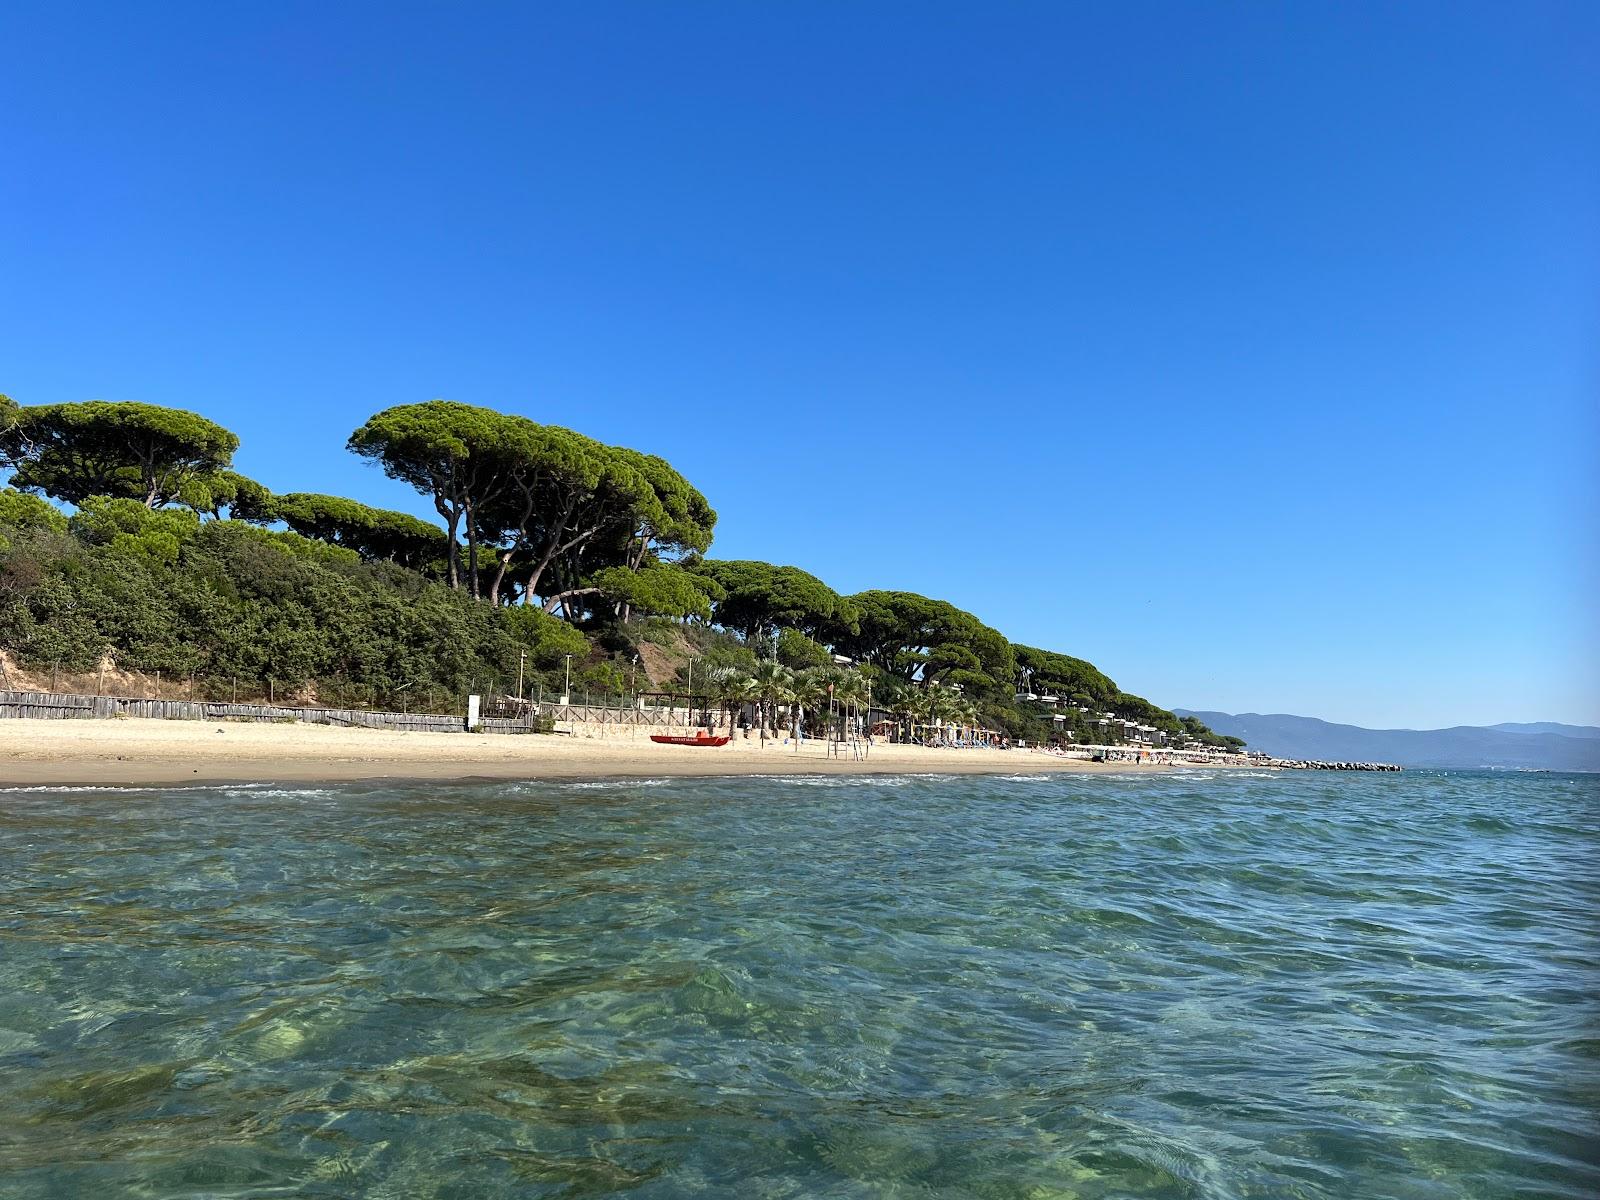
(162, 752)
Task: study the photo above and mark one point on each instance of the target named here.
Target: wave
(60, 788)
(610, 785)
(1179, 982)
(271, 792)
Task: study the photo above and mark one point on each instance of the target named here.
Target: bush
(21, 511)
(163, 592)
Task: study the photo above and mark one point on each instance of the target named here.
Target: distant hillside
(1540, 746)
(1572, 731)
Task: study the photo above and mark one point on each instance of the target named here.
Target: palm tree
(965, 712)
(783, 698)
(731, 687)
(773, 682)
(851, 692)
(918, 706)
(939, 706)
(895, 695)
(811, 691)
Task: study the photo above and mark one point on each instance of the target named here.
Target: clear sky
(1249, 351)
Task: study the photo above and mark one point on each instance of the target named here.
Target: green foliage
(22, 511)
(1201, 732)
(1137, 708)
(760, 598)
(660, 589)
(600, 678)
(1080, 684)
(656, 631)
(551, 483)
(434, 446)
(547, 639)
(602, 534)
(236, 532)
(552, 507)
(450, 452)
(372, 533)
(1065, 676)
(726, 656)
(228, 491)
(914, 637)
(151, 536)
(578, 508)
(797, 652)
(111, 448)
(163, 591)
(676, 519)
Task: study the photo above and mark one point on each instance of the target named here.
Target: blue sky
(1247, 351)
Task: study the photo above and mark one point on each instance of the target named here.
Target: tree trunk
(550, 551)
(560, 599)
(452, 518)
(500, 576)
(516, 544)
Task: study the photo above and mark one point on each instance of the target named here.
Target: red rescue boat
(700, 739)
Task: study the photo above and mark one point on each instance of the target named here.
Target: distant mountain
(1573, 731)
(1539, 745)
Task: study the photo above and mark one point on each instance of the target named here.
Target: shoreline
(148, 752)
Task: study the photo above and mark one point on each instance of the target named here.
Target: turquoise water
(1203, 985)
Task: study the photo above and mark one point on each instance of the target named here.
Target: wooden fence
(567, 718)
(596, 718)
(66, 706)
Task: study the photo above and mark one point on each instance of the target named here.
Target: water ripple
(1195, 985)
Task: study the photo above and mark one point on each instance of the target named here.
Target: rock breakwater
(1314, 764)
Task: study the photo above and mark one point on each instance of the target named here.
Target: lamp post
(521, 659)
(566, 692)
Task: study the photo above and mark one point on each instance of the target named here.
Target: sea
(1207, 984)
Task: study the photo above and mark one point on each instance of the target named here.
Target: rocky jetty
(1313, 764)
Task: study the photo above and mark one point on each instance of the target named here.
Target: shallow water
(1202, 985)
